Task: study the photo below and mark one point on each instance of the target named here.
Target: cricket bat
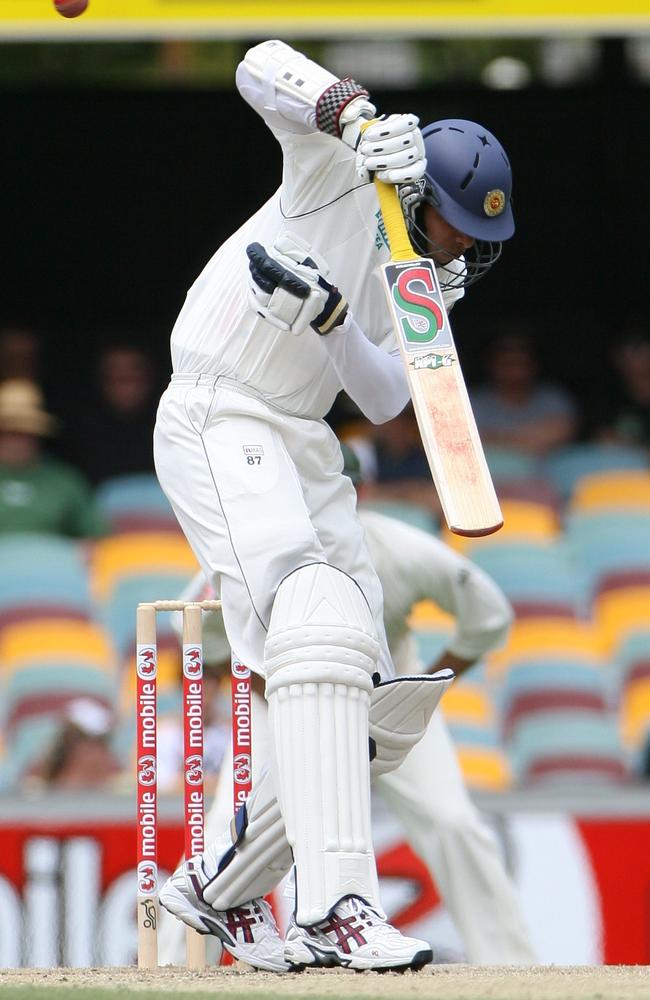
(442, 407)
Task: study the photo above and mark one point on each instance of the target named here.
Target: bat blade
(440, 399)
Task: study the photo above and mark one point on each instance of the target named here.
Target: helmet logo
(494, 202)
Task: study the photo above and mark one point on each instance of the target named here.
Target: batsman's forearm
(374, 379)
(459, 664)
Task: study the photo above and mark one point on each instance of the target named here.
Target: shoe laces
(355, 906)
(350, 920)
(254, 919)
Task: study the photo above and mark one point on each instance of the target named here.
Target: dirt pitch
(437, 982)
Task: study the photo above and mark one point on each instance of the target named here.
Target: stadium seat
(634, 710)
(608, 542)
(118, 611)
(524, 521)
(42, 571)
(630, 664)
(550, 639)
(510, 464)
(466, 706)
(135, 503)
(136, 555)
(557, 723)
(532, 575)
(126, 569)
(621, 606)
(52, 649)
(45, 664)
(535, 489)
(411, 513)
(468, 712)
(612, 490)
(432, 629)
(566, 466)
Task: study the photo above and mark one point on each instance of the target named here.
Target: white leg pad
(253, 855)
(399, 715)
(320, 654)
(251, 859)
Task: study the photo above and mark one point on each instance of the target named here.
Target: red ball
(70, 8)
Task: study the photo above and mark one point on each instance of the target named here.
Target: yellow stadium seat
(484, 769)
(523, 521)
(621, 611)
(468, 711)
(54, 641)
(428, 616)
(612, 490)
(467, 703)
(548, 638)
(635, 713)
(123, 555)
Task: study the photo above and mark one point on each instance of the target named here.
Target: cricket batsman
(286, 314)
(426, 792)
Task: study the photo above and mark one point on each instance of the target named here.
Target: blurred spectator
(625, 413)
(394, 462)
(515, 408)
(216, 732)
(20, 354)
(37, 492)
(111, 435)
(80, 757)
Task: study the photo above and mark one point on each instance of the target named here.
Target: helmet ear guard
(468, 181)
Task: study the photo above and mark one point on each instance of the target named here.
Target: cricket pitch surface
(437, 982)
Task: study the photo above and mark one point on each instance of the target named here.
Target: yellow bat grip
(393, 216)
(391, 211)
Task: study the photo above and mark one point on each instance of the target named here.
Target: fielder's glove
(393, 149)
(287, 289)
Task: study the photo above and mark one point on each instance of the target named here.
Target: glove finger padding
(292, 294)
(269, 273)
(390, 127)
(392, 148)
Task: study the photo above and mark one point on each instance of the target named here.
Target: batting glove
(392, 149)
(292, 294)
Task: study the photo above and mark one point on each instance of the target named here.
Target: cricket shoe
(356, 937)
(249, 932)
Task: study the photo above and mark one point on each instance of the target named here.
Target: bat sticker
(417, 304)
(432, 361)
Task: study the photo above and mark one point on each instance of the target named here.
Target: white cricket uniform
(250, 467)
(427, 792)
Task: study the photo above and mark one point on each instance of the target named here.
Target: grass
(72, 992)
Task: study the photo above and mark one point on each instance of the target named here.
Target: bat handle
(393, 216)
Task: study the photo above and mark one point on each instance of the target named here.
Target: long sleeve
(372, 377)
(260, 81)
(414, 566)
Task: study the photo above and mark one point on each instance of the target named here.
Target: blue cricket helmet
(468, 180)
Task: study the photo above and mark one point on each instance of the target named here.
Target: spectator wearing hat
(37, 492)
(80, 757)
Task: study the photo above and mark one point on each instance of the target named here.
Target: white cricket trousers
(258, 493)
(428, 795)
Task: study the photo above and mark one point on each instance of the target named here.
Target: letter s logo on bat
(416, 301)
